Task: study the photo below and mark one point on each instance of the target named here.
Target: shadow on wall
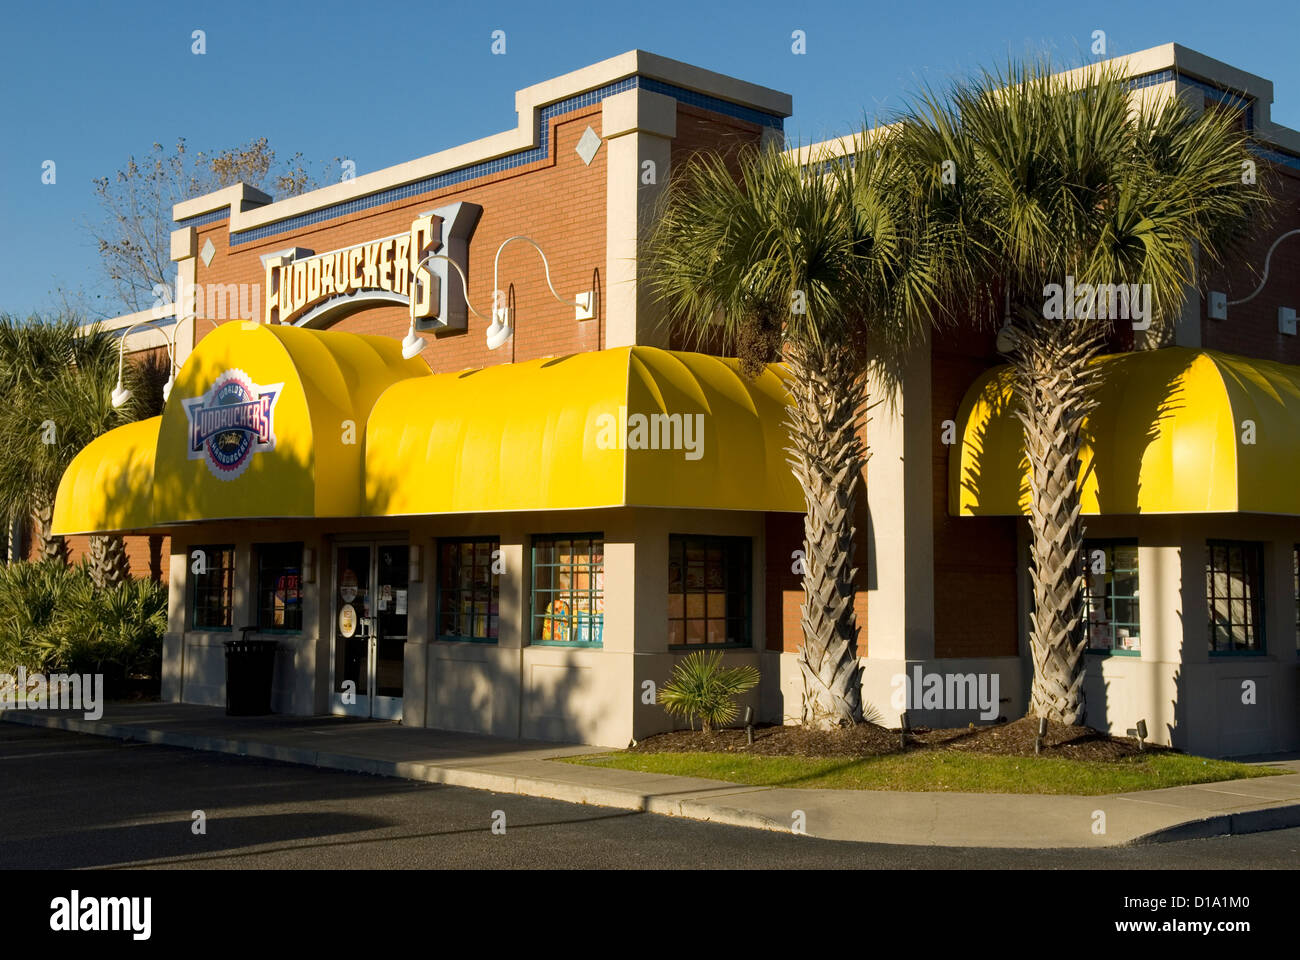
(551, 693)
(1116, 466)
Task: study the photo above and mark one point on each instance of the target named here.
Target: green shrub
(54, 619)
(701, 687)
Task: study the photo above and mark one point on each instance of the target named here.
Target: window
(709, 591)
(1110, 597)
(212, 591)
(468, 590)
(279, 586)
(1235, 593)
(568, 599)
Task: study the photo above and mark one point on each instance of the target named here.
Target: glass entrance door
(370, 613)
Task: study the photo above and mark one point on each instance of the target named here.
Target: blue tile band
(522, 158)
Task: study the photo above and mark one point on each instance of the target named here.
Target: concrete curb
(686, 802)
(1225, 825)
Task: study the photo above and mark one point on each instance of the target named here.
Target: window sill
(1114, 653)
(1238, 653)
(487, 641)
(566, 643)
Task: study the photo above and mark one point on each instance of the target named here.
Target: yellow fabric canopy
(1177, 430)
(281, 421)
(109, 484)
(627, 426)
(263, 421)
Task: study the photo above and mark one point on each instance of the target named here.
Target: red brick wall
(144, 561)
(558, 201)
(974, 557)
(1251, 328)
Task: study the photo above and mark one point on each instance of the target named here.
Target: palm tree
(56, 377)
(822, 263)
(1053, 176)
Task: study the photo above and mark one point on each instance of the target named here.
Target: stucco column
(419, 629)
(184, 253)
(899, 540)
(173, 670)
(638, 127)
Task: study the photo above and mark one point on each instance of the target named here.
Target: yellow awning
(279, 421)
(109, 484)
(1177, 430)
(626, 426)
(263, 421)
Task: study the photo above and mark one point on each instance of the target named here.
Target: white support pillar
(638, 127)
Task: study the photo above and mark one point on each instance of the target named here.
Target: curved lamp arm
(413, 343)
(464, 284)
(496, 263)
(121, 394)
(1267, 257)
(500, 330)
(171, 350)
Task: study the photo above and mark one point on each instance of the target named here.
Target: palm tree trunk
(1054, 383)
(827, 454)
(109, 564)
(51, 547)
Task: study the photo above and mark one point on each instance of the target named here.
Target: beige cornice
(528, 102)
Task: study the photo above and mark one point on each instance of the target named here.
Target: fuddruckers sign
(311, 289)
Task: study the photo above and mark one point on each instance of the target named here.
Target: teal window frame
(678, 546)
(1254, 607)
(227, 573)
(493, 596)
(592, 594)
(1110, 599)
(259, 552)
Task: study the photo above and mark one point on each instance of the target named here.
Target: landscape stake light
(749, 725)
(1042, 732)
(902, 730)
(1142, 733)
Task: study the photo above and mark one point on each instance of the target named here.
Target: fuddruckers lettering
(295, 286)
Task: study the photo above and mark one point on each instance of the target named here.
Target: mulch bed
(869, 740)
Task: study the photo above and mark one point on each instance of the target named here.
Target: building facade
(519, 529)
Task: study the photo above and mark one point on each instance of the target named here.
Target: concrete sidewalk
(529, 768)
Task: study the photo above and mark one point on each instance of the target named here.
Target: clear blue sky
(88, 84)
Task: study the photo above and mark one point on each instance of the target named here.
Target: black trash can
(250, 670)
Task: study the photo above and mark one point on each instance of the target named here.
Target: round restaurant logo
(232, 421)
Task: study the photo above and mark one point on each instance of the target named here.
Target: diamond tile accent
(208, 252)
(588, 145)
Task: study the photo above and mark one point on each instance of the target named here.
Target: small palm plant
(701, 687)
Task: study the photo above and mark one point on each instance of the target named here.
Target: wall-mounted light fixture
(1217, 303)
(413, 343)
(308, 564)
(121, 394)
(171, 351)
(416, 571)
(501, 330)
